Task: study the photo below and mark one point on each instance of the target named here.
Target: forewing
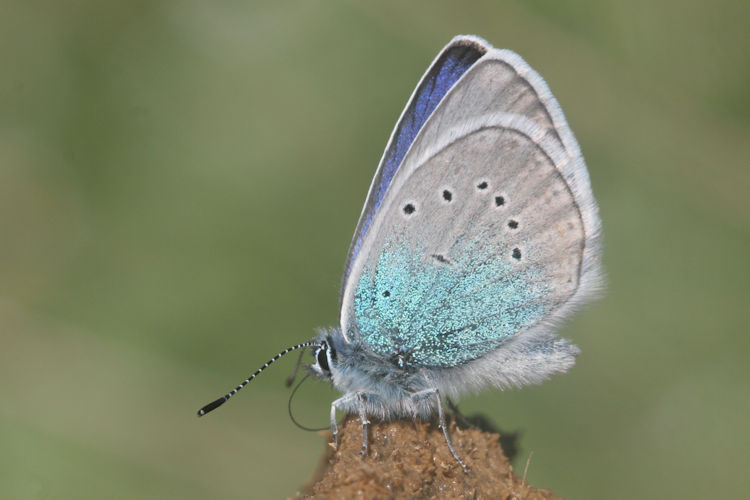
(489, 81)
(447, 68)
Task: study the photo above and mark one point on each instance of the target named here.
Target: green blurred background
(179, 182)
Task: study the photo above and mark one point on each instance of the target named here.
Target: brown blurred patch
(411, 460)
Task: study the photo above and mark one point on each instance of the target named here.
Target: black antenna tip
(212, 406)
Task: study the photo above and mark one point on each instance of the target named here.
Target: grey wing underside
(499, 82)
(498, 127)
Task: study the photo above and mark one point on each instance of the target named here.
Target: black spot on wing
(441, 258)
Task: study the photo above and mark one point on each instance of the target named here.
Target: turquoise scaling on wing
(440, 313)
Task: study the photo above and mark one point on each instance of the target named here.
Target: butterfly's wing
(499, 81)
(486, 230)
(447, 68)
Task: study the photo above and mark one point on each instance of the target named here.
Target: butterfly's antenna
(212, 406)
(291, 414)
(290, 379)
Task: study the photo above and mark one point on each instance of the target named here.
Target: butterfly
(480, 233)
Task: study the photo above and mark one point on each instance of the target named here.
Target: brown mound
(411, 460)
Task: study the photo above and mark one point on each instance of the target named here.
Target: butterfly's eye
(323, 361)
(323, 354)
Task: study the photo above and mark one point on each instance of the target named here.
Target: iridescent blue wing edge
(447, 68)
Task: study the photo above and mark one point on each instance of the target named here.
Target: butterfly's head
(325, 358)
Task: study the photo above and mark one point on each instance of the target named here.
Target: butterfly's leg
(290, 379)
(339, 403)
(443, 426)
(363, 419)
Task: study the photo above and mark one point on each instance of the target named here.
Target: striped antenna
(212, 406)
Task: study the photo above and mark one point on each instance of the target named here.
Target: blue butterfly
(479, 234)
